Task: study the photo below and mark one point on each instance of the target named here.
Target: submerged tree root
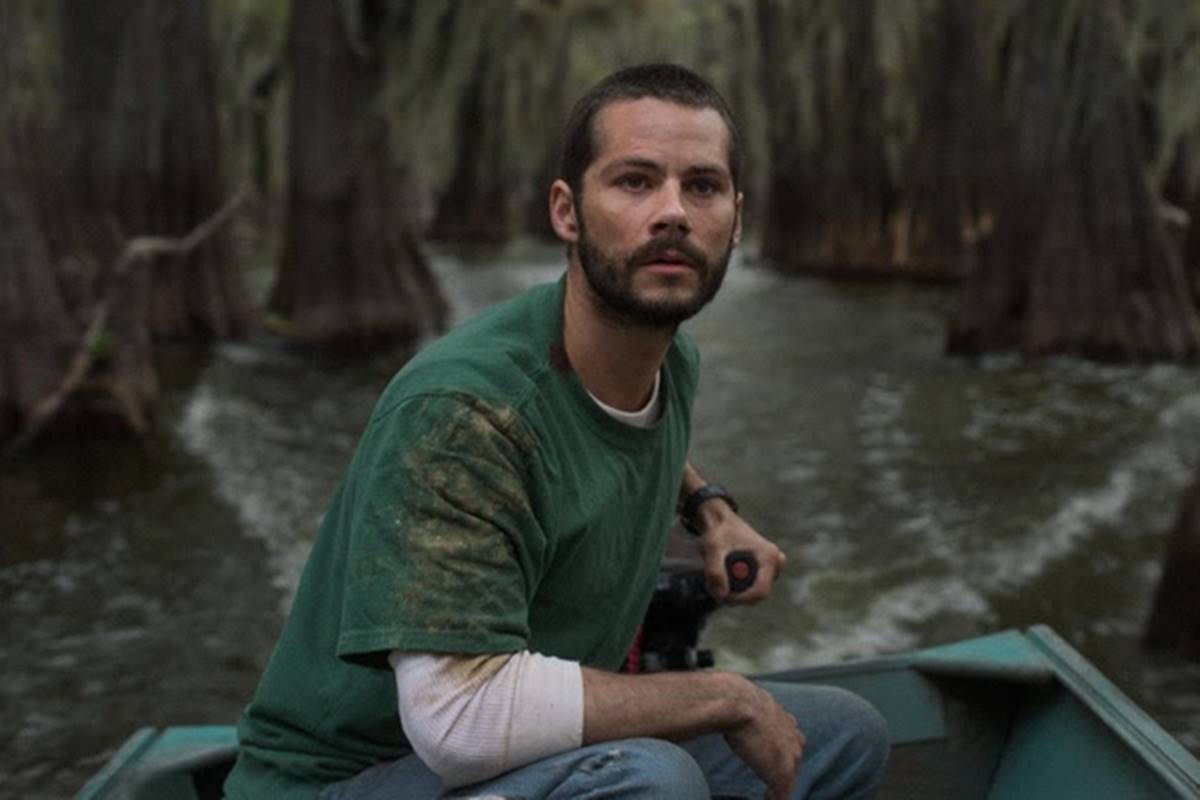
(140, 249)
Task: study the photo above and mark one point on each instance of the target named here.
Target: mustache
(656, 249)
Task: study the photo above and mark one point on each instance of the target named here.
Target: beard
(611, 278)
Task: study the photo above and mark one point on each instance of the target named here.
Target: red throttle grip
(741, 567)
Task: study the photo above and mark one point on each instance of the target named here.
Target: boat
(1016, 715)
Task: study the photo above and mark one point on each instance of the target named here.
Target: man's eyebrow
(710, 170)
(633, 162)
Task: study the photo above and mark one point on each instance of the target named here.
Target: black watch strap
(687, 511)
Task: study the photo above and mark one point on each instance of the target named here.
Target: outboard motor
(681, 604)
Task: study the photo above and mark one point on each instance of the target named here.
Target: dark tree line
(1010, 144)
(1044, 154)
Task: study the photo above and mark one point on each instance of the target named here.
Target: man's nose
(671, 215)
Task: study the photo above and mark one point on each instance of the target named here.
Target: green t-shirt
(491, 507)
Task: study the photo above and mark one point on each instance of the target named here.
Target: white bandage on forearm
(470, 718)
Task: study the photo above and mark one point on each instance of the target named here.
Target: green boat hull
(1012, 716)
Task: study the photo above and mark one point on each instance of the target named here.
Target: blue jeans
(846, 750)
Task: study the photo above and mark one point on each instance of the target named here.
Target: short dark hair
(669, 82)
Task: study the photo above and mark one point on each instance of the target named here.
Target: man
(484, 566)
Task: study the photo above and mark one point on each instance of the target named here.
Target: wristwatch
(689, 507)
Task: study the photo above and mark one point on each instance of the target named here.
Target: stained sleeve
(445, 548)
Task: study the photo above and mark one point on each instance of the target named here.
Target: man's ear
(562, 212)
(737, 220)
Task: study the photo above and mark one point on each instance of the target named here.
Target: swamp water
(921, 499)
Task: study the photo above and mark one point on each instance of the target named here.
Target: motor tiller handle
(741, 567)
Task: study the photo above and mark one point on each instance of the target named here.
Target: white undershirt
(469, 718)
(645, 416)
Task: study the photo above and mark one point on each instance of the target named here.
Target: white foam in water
(474, 289)
(895, 619)
(886, 444)
(241, 482)
(1157, 462)
(247, 355)
(1186, 410)
(1065, 530)
(888, 626)
(1004, 429)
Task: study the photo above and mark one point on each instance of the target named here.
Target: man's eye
(634, 182)
(703, 187)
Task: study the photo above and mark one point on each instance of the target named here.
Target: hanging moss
(475, 94)
(248, 37)
(831, 190)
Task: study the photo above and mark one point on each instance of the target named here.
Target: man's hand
(724, 532)
(770, 742)
(682, 705)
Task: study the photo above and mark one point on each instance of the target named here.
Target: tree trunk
(553, 103)
(536, 208)
(476, 206)
(51, 275)
(144, 152)
(351, 273)
(37, 325)
(1181, 195)
(1080, 262)
(1191, 248)
(1174, 622)
(939, 220)
(51, 290)
(829, 195)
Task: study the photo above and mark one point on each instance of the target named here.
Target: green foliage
(276, 323)
(104, 349)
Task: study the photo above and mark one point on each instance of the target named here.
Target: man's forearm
(668, 705)
(683, 705)
(710, 513)
(692, 480)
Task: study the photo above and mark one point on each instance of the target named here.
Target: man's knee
(649, 768)
(867, 741)
(848, 739)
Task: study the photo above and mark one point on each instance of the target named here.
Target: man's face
(659, 215)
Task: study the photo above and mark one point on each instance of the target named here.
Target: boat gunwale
(131, 751)
(1036, 657)
(1118, 713)
(1046, 659)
